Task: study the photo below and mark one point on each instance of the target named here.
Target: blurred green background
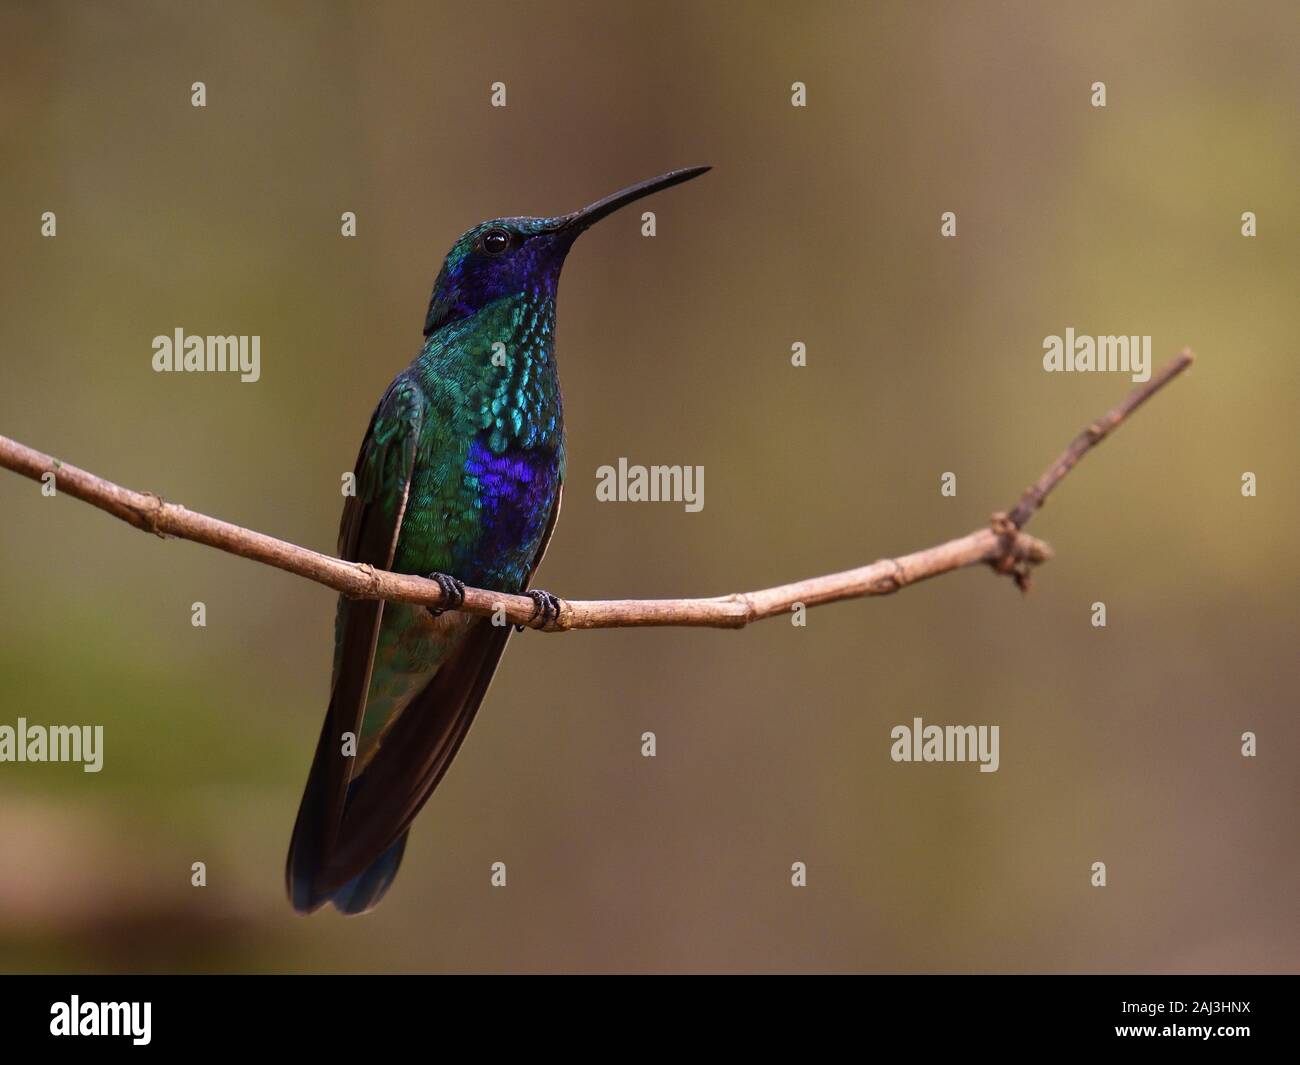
(818, 225)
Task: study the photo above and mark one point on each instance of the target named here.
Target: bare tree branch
(1003, 546)
(1037, 492)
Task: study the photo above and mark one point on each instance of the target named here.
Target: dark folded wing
(368, 532)
(421, 743)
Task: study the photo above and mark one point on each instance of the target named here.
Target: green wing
(368, 532)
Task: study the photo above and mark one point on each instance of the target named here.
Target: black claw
(544, 604)
(453, 592)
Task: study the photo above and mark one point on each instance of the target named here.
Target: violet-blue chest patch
(515, 490)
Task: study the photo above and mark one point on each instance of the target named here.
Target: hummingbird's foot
(544, 604)
(453, 593)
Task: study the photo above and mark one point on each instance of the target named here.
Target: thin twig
(1036, 493)
(1003, 546)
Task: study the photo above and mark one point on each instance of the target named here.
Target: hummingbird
(459, 478)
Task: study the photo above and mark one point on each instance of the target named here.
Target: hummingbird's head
(513, 256)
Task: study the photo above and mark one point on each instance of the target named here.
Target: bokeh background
(818, 225)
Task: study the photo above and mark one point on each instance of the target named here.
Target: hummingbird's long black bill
(589, 216)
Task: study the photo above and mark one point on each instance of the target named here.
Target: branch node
(371, 576)
(889, 583)
(151, 514)
(751, 608)
(1018, 552)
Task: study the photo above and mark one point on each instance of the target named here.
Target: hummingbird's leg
(453, 592)
(545, 604)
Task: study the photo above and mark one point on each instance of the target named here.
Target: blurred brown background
(819, 225)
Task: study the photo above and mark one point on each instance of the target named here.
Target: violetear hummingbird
(459, 478)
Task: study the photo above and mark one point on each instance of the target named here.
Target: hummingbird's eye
(495, 241)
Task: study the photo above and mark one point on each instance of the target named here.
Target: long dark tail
(359, 895)
(356, 829)
(363, 891)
